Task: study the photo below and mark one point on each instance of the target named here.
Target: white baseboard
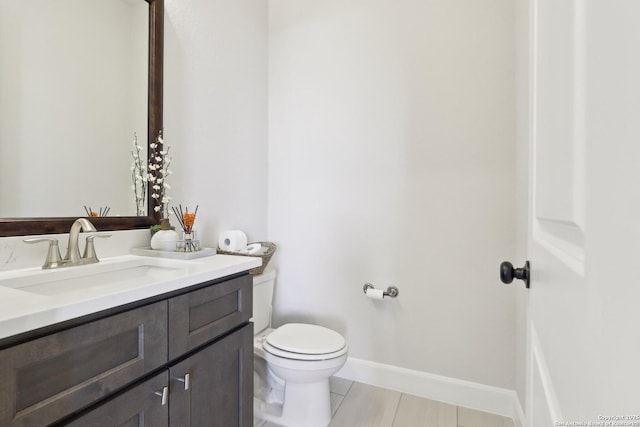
(457, 392)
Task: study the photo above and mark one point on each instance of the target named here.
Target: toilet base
(305, 405)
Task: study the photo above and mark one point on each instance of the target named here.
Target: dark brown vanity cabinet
(185, 360)
(46, 379)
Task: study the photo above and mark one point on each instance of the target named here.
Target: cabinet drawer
(200, 316)
(137, 407)
(58, 374)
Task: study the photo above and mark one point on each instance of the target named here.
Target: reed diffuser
(103, 211)
(186, 219)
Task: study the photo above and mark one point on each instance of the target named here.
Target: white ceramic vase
(165, 239)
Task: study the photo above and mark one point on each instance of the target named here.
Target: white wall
(215, 112)
(391, 160)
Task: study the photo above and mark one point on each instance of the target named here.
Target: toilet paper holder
(391, 291)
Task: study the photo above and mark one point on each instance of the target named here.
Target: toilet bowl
(299, 359)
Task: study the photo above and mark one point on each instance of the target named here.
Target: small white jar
(165, 239)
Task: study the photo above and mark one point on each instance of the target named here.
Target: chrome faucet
(54, 260)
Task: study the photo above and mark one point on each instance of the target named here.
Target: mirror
(111, 101)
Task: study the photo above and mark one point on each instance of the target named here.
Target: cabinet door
(51, 377)
(220, 392)
(202, 315)
(140, 406)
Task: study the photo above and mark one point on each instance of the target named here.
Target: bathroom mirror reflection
(74, 85)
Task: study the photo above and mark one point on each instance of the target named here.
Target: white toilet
(293, 364)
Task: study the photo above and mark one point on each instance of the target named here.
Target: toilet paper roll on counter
(253, 248)
(374, 293)
(232, 240)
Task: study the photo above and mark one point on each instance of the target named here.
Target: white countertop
(23, 311)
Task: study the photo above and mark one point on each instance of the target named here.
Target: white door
(584, 237)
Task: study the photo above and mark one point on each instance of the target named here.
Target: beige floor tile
(472, 418)
(339, 385)
(367, 406)
(416, 411)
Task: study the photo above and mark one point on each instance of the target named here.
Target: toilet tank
(262, 298)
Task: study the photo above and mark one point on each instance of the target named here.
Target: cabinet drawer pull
(164, 394)
(185, 381)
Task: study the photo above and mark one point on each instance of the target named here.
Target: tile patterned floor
(360, 405)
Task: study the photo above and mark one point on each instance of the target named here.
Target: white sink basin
(104, 277)
(33, 298)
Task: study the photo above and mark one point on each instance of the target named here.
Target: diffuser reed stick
(101, 212)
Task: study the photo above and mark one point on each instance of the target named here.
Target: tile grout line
(349, 389)
(397, 409)
(337, 408)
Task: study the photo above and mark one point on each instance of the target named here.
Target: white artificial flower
(155, 195)
(156, 187)
(157, 209)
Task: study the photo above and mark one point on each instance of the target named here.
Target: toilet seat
(301, 356)
(299, 341)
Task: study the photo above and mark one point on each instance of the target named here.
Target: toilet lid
(306, 339)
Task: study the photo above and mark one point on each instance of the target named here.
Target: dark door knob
(508, 273)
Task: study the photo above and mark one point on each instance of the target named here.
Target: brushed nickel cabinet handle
(164, 394)
(185, 381)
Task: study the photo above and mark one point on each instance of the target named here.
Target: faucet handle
(90, 249)
(54, 259)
